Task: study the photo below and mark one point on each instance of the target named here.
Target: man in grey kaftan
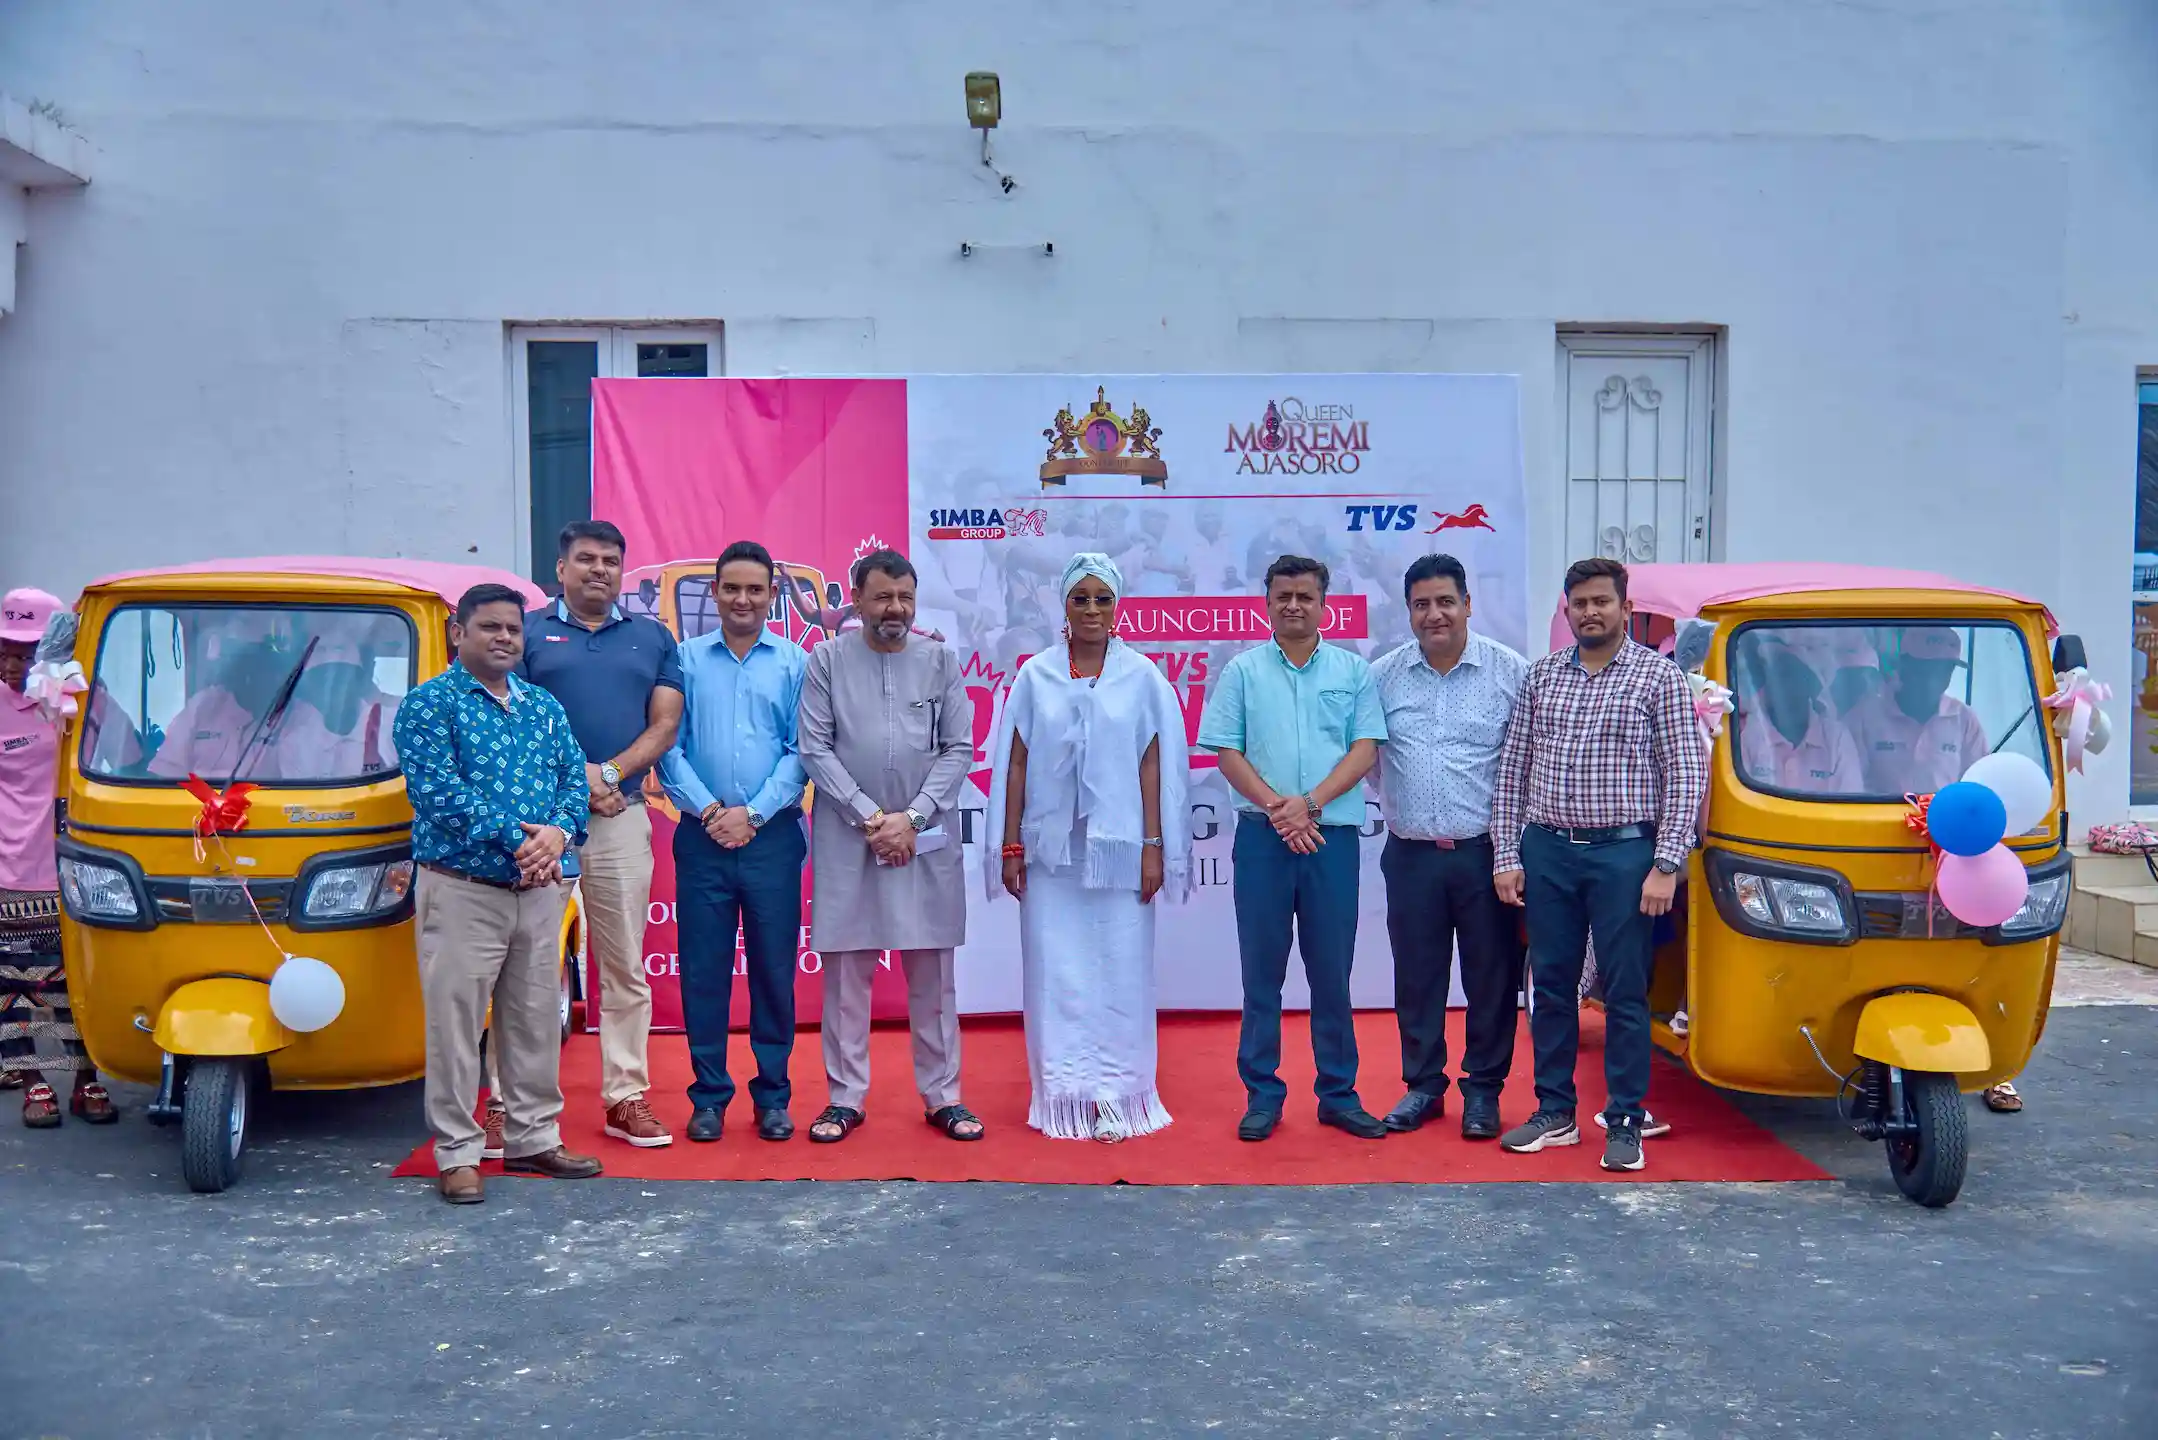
(887, 736)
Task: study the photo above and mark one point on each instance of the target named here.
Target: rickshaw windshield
(196, 690)
(695, 606)
(1834, 711)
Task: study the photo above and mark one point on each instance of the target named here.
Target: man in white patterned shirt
(1599, 792)
(1448, 695)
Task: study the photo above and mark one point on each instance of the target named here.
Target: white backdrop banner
(1195, 483)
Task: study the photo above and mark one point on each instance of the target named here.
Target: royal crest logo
(1102, 442)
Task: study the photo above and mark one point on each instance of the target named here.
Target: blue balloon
(1966, 818)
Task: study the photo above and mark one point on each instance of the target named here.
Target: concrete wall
(274, 321)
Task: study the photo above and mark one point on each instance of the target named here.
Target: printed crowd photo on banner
(989, 483)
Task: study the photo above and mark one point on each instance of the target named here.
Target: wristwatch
(611, 773)
(1312, 807)
(1667, 867)
(918, 820)
(756, 821)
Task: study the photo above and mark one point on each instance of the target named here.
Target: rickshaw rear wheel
(213, 1123)
(1930, 1150)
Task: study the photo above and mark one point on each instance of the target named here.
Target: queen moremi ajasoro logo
(1102, 442)
(1295, 438)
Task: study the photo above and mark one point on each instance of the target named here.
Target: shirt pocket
(918, 723)
(1337, 709)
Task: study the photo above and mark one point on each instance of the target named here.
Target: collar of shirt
(1288, 664)
(15, 699)
(473, 683)
(562, 613)
(765, 640)
(1627, 650)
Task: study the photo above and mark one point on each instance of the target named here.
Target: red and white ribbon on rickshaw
(1914, 820)
(2080, 717)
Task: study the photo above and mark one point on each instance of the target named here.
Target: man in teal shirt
(1297, 723)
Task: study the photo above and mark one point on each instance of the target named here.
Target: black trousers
(1573, 892)
(1435, 896)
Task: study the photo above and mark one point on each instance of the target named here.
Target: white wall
(274, 321)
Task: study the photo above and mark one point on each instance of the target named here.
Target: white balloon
(305, 994)
(2025, 791)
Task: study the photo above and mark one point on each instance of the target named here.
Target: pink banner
(816, 472)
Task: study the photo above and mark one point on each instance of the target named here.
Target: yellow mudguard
(1917, 1031)
(224, 1016)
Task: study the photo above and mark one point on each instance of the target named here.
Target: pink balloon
(1984, 889)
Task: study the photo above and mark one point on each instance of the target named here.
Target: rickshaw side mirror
(2068, 654)
(648, 591)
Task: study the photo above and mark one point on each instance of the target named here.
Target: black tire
(213, 1123)
(1929, 1165)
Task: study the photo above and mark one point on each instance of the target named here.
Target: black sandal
(951, 1117)
(838, 1115)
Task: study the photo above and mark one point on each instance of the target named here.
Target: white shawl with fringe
(1084, 741)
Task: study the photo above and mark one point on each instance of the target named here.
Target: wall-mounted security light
(985, 100)
(985, 107)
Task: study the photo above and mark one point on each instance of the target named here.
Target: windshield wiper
(2033, 706)
(275, 715)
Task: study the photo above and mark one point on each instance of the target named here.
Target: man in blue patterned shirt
(498, 791)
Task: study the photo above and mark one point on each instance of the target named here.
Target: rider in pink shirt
(1792, 741)
(339, 724)
(1914, 737)
(217, 722)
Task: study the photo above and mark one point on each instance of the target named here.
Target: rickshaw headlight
(2043, 909)
(1776, 901)
(353, 892)
(97, 892)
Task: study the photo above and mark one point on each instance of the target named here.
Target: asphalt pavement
(322, 1298)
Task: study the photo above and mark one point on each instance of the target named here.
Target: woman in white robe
(1091, 772)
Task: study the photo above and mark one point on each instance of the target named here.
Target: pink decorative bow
(2078, 701)
(53, 687)
(1711, 702)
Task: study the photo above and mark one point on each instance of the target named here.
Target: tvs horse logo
(1472, 518)
(1019, 522)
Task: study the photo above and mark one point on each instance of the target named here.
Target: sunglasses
(1091, 602)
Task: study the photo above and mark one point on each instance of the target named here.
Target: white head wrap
(1100, 566)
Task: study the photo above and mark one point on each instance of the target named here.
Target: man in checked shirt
(1599, 787)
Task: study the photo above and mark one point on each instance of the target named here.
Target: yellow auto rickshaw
(182, 895)
(1809, 954)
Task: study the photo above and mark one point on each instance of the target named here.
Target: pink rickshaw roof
(1684, 591)
(429, 577)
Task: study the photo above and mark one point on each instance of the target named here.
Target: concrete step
(2119, 921)
(2095, 871)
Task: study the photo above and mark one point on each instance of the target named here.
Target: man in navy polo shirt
(619, 680)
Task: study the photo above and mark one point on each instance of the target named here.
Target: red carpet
(1710, 1140)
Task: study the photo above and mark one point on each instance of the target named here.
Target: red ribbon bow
(221, 814)
(1915, 820)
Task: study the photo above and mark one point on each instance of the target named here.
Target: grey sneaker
(1622, 1147)
(1540, 1131)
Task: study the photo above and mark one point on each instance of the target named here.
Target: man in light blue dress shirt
(736, 775)
(1448, 695)
(1296, 723)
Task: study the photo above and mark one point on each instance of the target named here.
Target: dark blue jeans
(758, 890)
(1279, 891)
(1573, 891)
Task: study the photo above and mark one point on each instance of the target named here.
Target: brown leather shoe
(632, 1120)
(555, 1164)
(492, 1119)
(461, 1185)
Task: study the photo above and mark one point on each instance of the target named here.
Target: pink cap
(23, 615)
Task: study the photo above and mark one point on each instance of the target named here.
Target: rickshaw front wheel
(1930, 1147)
(213, 1123)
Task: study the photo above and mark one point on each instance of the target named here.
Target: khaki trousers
(615, 890)
(478, 944)
(932, 1014)
(615, 893)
